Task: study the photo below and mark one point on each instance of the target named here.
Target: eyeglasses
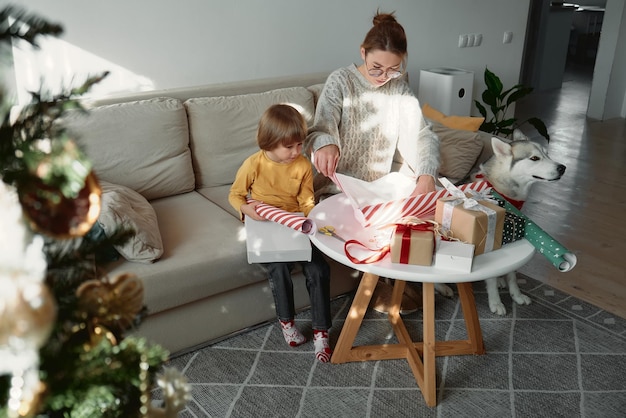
(377, 72)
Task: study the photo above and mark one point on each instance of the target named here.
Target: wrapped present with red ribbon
(413, 242)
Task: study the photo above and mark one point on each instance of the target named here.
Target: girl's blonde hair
(281, 124)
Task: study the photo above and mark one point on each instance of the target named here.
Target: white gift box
(454, 255)
(268, 241)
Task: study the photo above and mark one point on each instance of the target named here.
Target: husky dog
(514, 167)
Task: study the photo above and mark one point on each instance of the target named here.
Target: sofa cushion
(125, 208)
(223, 130)
(154, 135)
(468, 123)
(458, 149)
(316, 89)
(219, 196)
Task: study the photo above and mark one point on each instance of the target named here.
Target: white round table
(336, 211)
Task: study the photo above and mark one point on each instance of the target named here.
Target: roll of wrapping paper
(292, 220)
(551, 249)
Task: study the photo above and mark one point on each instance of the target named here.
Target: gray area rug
(558, 357)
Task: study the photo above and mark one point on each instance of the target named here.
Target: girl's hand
(325, 159)
(425, 184)
(248, 210)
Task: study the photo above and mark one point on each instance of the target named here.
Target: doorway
(561, 44)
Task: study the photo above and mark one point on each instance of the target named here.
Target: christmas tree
(64, 348)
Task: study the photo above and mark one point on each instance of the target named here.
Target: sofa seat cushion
(203, 254)
(154, 137)
(223, 130)
(219, 196)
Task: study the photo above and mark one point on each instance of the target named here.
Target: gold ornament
(113, 303)
(176, 393)
(27, 314)
(52, 213)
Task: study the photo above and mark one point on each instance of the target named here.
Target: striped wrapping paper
(422, 206)
(292, 220)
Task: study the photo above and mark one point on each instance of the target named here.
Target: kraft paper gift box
(268, 241)
(454, 255)
(410, 245)
(482, 227)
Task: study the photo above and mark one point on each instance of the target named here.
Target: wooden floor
(585, 210)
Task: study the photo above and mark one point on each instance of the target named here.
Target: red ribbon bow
(405, 230)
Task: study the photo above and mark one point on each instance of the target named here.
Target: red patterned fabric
(421, 206)
(292, 220)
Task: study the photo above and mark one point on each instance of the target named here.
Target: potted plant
(498, 100)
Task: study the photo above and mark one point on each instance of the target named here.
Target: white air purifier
(448, 90)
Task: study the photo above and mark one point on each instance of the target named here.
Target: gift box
(514, 228)
(514, 225)
(413, 244)
(268, 241)
(454, 255)
(473, 221)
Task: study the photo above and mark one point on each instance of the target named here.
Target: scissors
(330, 231)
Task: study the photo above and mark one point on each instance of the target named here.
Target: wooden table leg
(421, 356)
(354, 319)
(428, 357)
(468, 304)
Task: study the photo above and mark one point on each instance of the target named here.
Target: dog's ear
(519, 135)
(500, 147)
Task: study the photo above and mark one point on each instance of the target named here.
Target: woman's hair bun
(383, 18)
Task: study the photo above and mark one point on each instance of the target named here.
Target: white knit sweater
(368, 124)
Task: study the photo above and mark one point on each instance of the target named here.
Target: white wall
(159, 44)
(607, 98)
(616, 93)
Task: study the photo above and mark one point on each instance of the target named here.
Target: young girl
(279, 175)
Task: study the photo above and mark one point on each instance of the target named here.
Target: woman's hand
(325, 159)
(425, 184)
(250, 212)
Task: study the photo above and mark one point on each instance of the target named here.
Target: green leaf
(494, 85)
(481, 109)
(506, 131)
(506, 122)
(489, 98)
(540, 127)
(488, 127)
(521, 92)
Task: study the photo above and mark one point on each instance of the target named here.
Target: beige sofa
(166, 160)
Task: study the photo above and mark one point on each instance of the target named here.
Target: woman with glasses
(367, 115)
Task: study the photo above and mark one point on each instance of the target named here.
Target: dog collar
(517, 203)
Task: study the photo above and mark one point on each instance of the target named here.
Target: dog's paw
(444, 290)
(521, 299)
(497, 308)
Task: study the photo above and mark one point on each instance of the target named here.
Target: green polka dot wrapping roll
(559, 256)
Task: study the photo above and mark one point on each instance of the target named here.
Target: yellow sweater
(286, 186)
